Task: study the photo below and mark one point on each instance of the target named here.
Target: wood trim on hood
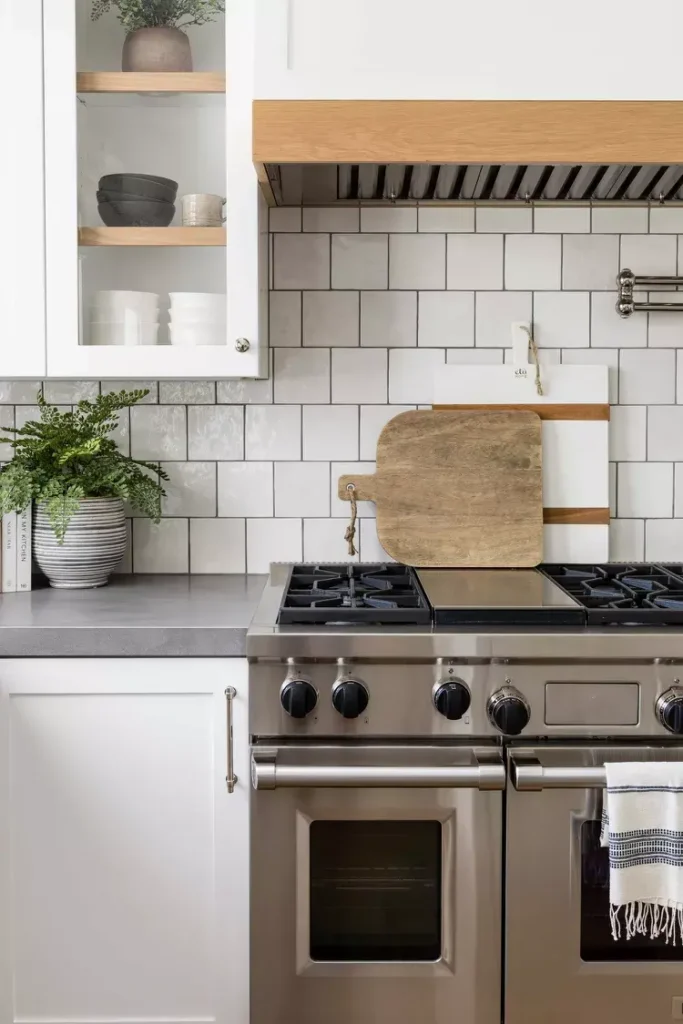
(468, 131)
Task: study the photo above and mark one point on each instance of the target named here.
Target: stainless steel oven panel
(546, 979)
(287, 985)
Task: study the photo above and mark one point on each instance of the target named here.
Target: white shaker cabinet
(441, 49)
(124, 873)
(22, 250)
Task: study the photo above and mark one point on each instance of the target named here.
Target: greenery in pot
(135, 14)
(67, 456)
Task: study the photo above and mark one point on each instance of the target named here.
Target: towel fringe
(653, 920)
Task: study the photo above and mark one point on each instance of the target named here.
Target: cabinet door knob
(243, 344)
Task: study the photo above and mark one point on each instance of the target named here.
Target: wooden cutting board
(457, 488)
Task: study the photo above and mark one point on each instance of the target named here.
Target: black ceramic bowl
(136, 213)
(142, 185)
(106, 195)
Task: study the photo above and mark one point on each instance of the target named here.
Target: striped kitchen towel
(642, 824)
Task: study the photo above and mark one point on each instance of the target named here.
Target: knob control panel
(669, 709)
(509, 711)
(350, 698)
(298, 697)
(452, 699)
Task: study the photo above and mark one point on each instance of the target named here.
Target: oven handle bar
(266, 773)
(529, 775)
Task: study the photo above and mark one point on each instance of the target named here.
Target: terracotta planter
(157, 49)
(94, 544)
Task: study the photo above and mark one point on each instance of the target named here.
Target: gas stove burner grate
(354, 594)
(619, 593)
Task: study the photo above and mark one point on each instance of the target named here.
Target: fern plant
(66, 456)
(135, 14)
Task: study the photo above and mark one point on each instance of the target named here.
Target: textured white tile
(590, 262)
(245, 489)
(546, 356)
(370, 548)
(678, 490)
(23, 414)
(120, 434)
(575, 455)
(360, 261)
(245, 392)
(359, 375)
(562, 219)
(388, 319)
(504, 219)
(645, 489)
(609, 330)
(474, 356)
(663, 540)
(285, 218)
(158, 432)
(647, 377)
(125, 566)
(373, 418)
(331, 218)
(215, 432)
(339, 508)
(665, 433)
(21, 392)
(330, 431)
(533, 261)
(613, 489)
(388, 218)
(628, 433)
(217, 546)
(445, 218)
(664, 219)
(324, 541)
(569, 542)
(649, 254)
(285, 319)
(272, 432)
(597, 357)
(302, 375)
(63, 392)
(475, 262)
(330, 319)
(301, 261)
(108, 386)
(411, 374)
(445, 319)
(626, 540)
(417, 261)
(562, 319)
(665, 330)
(620, 219)
(272, 540)
(302, 489)
(494, 314)
(187, 392)
(161, 547)
(190, 489)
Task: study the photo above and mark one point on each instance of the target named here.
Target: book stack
(16, 551)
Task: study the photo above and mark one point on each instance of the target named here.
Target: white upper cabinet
(185, 127)
(22, 236)
(450, 49)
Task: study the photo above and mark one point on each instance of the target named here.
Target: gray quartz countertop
(133, 617)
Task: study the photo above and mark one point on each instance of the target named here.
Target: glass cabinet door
(141, 281)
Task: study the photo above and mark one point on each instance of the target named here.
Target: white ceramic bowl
(214, 301)
(188, 317)
(127, 317)
(103, 333)
(191, 335)
(144, 303)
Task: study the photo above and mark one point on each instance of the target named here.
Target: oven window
(596, 935)
(375, 890)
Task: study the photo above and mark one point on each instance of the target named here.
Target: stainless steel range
(392, 756)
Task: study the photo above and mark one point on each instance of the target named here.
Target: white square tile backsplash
(367, 305)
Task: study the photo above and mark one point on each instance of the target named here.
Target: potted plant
(68, 463)
(156, 40)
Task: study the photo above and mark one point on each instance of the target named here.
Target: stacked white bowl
(124, 318)
(198, 318)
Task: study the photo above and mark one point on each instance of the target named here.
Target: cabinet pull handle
(230, 777)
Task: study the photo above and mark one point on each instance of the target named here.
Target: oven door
(562, 964)
(376, 884)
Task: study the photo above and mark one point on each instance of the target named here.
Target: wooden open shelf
(150, 81)
(151, 236)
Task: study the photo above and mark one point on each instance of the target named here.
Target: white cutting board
(574, 410)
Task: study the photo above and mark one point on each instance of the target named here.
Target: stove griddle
(353, 594)
(618, 593)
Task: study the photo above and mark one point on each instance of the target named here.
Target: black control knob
(350, 698)
(669, 709)
(452, 699)
(298, 697)
(509, 711)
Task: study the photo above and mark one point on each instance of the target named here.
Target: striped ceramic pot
(94, 544)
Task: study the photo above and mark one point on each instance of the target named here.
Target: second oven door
(376, 885)
(562, 964)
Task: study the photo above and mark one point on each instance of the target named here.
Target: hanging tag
(520, 349)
